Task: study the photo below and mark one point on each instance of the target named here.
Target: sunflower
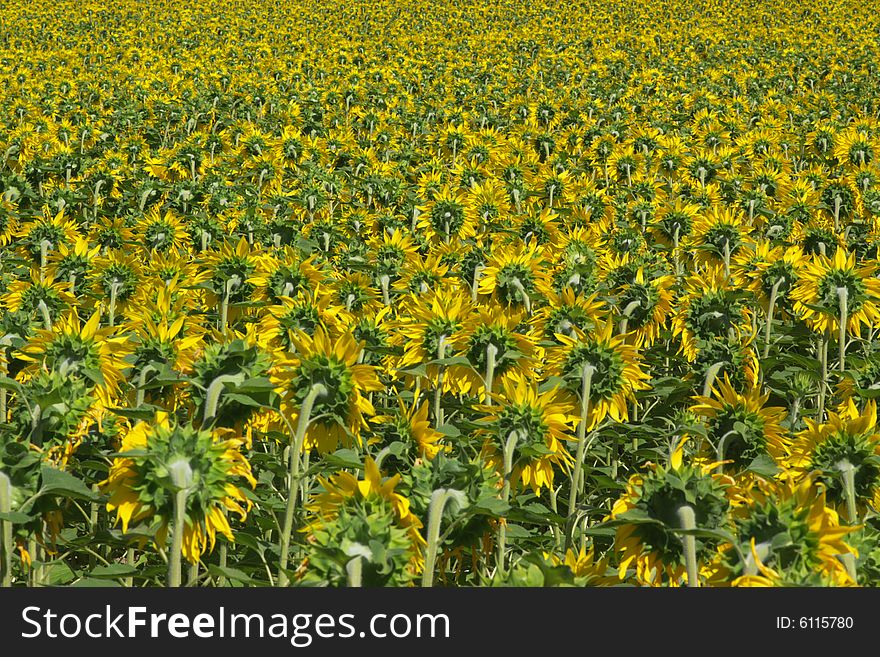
(233, 272)
(80, 350)
(307, 311)
(514, 275)
(338, 415)
(709, 309)
(139, 483)
(718, 236)
(445, 216)
(41, 297)
(845, 455)
(567, 312)
(790, 529)
(36, 239)
(427, 325)
(647, 520)
(74, 265)
(410, 427)
(284, 273)
(740, 428)
(158, 231)
(537, 424)
(830, 288)
(614, 367)
(345, 495)
(645, 306)
(495, 346)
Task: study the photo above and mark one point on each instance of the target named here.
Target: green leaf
(58, 482)
(113, 570)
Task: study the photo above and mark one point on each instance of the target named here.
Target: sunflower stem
(354, 570)
(843, 300)
(305, 413)
(114, 290)
(675, 255)
(727, 258)
(848, 474)
(438, 392)
(478, 269)
(711, 374)
(129, 561)
(507, 454)
(181, 477)
(577, 474)
(212, 398)
(384, 281)
(823, 360)
(45, 245)
(774, 291)
(439, 498)
(6, 529)
(688, 521)
(44, 311)
(491, 353)
(627, 313)
(525, 295)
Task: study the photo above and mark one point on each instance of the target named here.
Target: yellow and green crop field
(448, 293)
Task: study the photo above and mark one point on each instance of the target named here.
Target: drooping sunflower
(829, 287)
(445, 216)
(790, 529)
(491, 329)
(409, 426)
(74, 349)
(612, 367)
(844, 452)
(345, 497)
(427, 326)
(740, 427)
(515, 276)
(645, 305)
(709, 309)
(536, 424)
(139, 484)
(338, 413)
(647, 516)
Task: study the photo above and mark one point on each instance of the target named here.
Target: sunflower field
(439, 294)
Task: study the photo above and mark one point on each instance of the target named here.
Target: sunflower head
(364, 519)
(648, 524)
(141, 486)
(333, 367)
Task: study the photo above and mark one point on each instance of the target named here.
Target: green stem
(577, 473)
(212, 398)
(843, 300)
(527, 301)
(774, 291)
(491, 353)
(44, 311)
(355, 570)
(44, 254)
(848, 474)
(823, 360)
(6, 529)
(438, 392)
(305, 415)
(129, 561)
(439, 498)
(688, 521)
(509, 446)
(181, 475)
(711, 373)
(114, 290)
